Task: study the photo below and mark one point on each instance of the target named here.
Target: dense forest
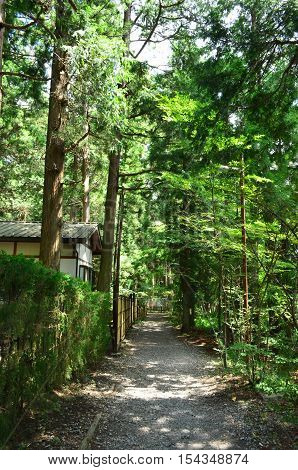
(172, 125)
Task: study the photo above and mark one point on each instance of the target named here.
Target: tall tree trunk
(73, 211)
(51, 232)
(106, 262)
(186, 284)
(86, 172)
(188, 294)
(127, 25)
(116, 284)
(225, 326)
(244, 254)
(218, 249)
(86, 184)
(2, 30)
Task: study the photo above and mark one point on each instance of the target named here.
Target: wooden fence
(127, 312)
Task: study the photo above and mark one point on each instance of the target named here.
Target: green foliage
(52, 326)
(226, 103)
(270, 368)
(205, 322)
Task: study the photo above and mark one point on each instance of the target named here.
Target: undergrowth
(269, 362)
(52, 326)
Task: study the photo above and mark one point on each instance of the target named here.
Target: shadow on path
(157, 393)
(166, 396)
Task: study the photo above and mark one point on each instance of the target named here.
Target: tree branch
(142, 172)
(16, 26)
(172, 5)
(73, 5)
(37, 19)
(140, 188)
(137, 188)
(164, 38)
(291, 64)
(135, 56)
(83, 137)
(281, 42)
(24, 75)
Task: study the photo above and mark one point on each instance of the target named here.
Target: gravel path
(159, 392)
(166, 396)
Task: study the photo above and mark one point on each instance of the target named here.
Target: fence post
(122, 319)
(125, 315)
(133, 299)
(118, 338)
(129, 311)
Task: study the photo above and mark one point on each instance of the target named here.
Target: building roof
(33, 230)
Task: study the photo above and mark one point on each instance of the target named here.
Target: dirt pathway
(158, 393)
(166, 397)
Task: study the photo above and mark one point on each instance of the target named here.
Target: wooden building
(81, 242)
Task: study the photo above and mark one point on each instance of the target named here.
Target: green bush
(208, 323)
(270, 369)
(269, 363)
(51, 327)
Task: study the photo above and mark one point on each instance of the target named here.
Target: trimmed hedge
(51, 327)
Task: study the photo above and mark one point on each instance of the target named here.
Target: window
(85, 273)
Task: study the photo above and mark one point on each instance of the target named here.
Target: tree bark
(187, 290)
(106, 262)
(188, 295)
(244, 255)
(73, 210)
(2, 31)
(127, 25)
(116, 284)
(86, 172)
(51, 231)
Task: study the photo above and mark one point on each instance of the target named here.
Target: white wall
(85, 255)
(67, 266)
(84, 259)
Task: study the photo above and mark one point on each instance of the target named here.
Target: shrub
(270, 369)
(205, 322)
(51, 327)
